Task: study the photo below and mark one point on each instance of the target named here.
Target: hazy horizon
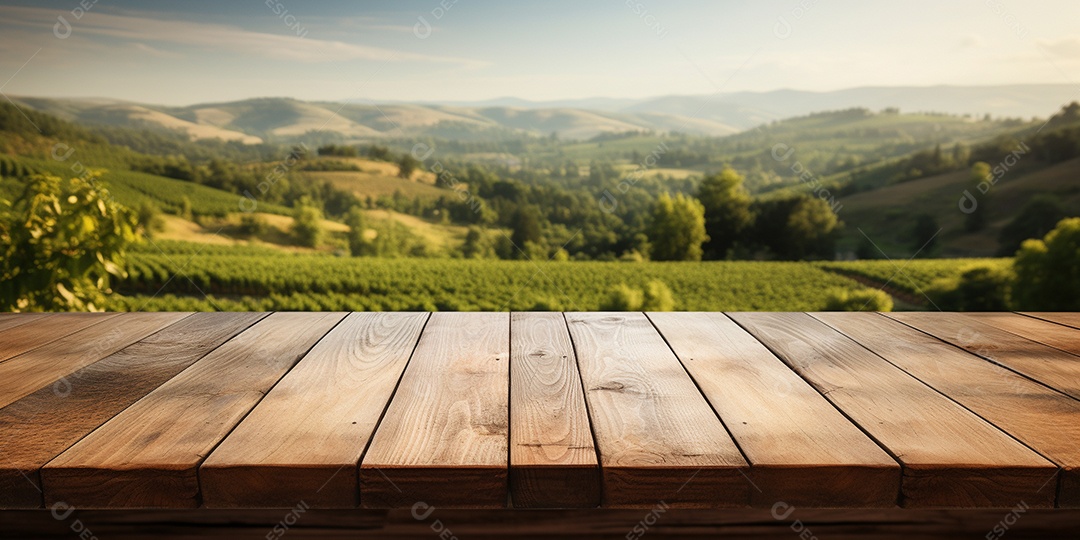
(430, 51)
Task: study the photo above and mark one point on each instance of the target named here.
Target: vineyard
(911, 277)
(307, 282)
(241, 279)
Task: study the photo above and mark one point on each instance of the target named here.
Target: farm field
(207, 278)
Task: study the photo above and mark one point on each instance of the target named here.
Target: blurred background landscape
(141, 168)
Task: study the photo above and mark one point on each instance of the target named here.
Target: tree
(359, 245)
(526, 225)
(307, 226)
(1048, 270)
(1038, 216)
(253, 226)
(677, 230)
(149, 219)
(976, 220)
(924, 234)
(407, 165)
(61, 242)
(810, 227)
(727, 211)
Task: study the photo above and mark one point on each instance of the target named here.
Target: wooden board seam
(588, 410)
(386, 407)
(198, 466)
(825, 395)
(1057, 473)
(738, 446)
(993, 361)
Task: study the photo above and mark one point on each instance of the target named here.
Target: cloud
(218, 37)
(1066, 47)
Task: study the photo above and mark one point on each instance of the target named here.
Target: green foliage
(913, 277)
(976, 220)
(623, 298)
(924, 235)
(1048, 270)
(677, 229)
(727, 211)
(253, 226)
(858, 300)
(811, 225)
(359, 245)
(658, 297)
(253, 278)
(407, 165)
(148, 216)
(1038, 216)
(307, 226)
(61, 242)
(979, 288)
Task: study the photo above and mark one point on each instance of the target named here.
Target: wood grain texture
(1048, 333)
(1050, 366)
(55, 363)
(39, 331)
(148, 455)
(658, 438)
(11, 320)
(443, 440)
(801, 450)
(304, 441)
(38, 427)
(1044, 419)
(1066, 318)
(552, 457)
(951, 457)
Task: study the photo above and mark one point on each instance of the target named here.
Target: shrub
(861, 300)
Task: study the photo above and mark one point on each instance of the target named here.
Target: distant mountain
(255, 120)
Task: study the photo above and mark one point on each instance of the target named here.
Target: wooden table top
(540, 410)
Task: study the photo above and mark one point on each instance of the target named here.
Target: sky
(199, 51)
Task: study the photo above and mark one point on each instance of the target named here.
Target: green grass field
(237, 278)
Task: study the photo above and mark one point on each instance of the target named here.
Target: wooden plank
(950, 456)
(50, 363)
(1044, 419)
(552, 457)
(658, 438)
(1067, 318)
(1048, 333)
(801, 449)
(148, 455)
(11, 320)
(305, 439)
(23, 338)
(40, 426)
(443, 440)
(1052, 367)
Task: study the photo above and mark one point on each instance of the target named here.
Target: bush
(658, 297)
(253, 226)
(623, 298)
(979, 288)
(60, 243)
(1048, 270)
(861, 300)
